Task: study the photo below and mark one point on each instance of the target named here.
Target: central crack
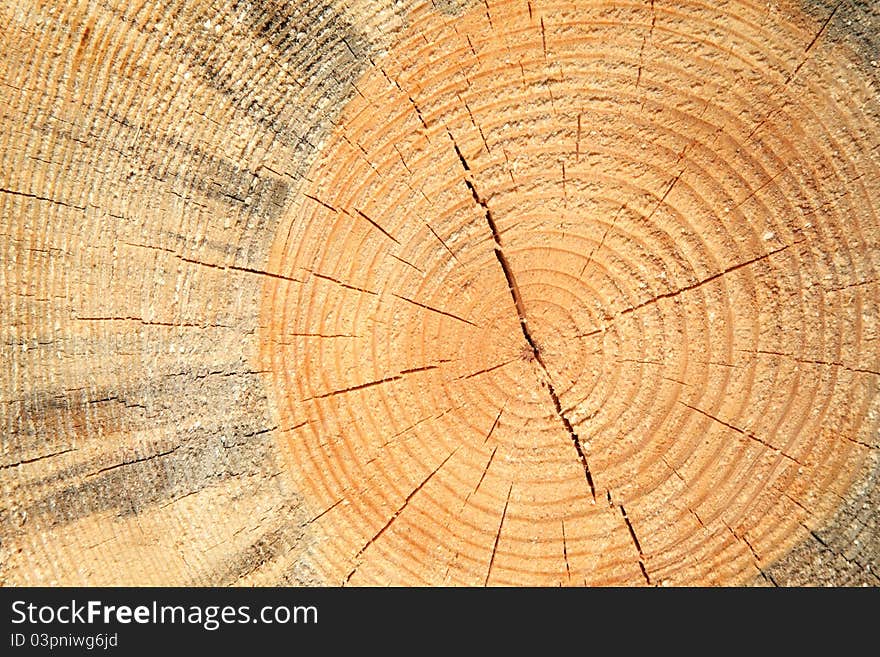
(521, 313)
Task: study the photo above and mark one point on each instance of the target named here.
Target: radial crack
(813, 42)
(498, 536)
(480, 482)
(48, 456)
(133, 461)
(743, 432)
(397, 513)
(636, 543)
(487, 369)
(565, 552)
(709, 279)
(435, 310)
(324, 512)
(521, 313)
(495, 423)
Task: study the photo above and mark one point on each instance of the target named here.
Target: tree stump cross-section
(448, 293)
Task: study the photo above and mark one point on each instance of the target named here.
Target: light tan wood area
(462, 293)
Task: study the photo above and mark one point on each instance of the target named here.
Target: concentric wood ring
(565, 300)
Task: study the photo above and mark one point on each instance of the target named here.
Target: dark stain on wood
(189, 458)
(845, 551)
(310, 42)
(270, 546)
(855, 23)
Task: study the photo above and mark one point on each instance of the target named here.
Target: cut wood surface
(465, 293)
